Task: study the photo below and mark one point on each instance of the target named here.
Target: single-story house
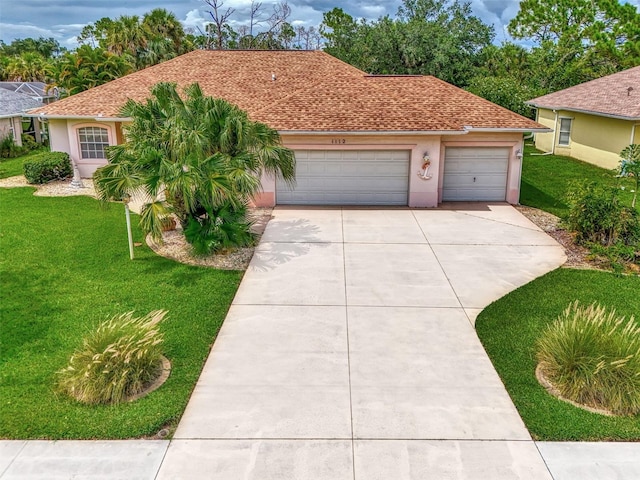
(358, 138)
(592, 121)
(12, 108)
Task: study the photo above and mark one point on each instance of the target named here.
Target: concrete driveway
(349, 351)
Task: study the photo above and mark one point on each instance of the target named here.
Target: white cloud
(22, 30)
(194, 19)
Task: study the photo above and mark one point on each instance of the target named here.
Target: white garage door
(475, 173)
(348, 177)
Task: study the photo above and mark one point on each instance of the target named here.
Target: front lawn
(546, 180)
(10, 167)
(509, 328)
(64, 268)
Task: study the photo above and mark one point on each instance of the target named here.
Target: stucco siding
(12, 126)
(545, 141)
(422, 192)
(58, 136)
(594, 139)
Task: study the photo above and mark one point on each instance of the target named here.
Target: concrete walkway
(349, 353)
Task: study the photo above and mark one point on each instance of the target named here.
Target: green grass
(546, 179)
(10, 167)
(510, 327)
(64, 269)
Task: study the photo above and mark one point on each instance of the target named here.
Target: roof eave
(589, 112)
(372, 132)
(78, 117)
(507, 130)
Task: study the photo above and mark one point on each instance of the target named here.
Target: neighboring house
(12, 107)
(36, 90)
(358, 138)
(592, 121)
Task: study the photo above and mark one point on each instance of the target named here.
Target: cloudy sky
(63, 19)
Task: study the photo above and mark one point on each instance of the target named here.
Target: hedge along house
(358, 139)
(592, 121)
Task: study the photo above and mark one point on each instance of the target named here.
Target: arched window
(93, 141)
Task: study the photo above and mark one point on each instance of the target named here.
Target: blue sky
(63, 19)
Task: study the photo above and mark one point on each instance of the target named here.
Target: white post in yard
(126, 199)
(77, 180)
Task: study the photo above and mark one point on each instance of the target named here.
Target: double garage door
(381, 177)
(348, 177)
(475, 174)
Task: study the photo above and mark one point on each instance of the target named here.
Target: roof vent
(273, 77)
(629, 91)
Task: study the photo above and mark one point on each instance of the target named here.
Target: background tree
(154, 38)
(505, 91)
(427, 37)
(88, 67)
(203, 155)
(219, 30)
(28, 66)
(577, 40)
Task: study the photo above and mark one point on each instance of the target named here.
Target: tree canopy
(428, 37)
(199, 158)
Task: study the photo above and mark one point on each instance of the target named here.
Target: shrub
(47, 166)
(223, 229)
(619, 257)
(593, 358)
(596, 215)
(9, 149)
(29, 143)
(121, 358)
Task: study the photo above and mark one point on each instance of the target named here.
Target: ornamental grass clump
(120, 359)
(592, 357)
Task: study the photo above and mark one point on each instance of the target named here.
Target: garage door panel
(348, 177)
(475, 173)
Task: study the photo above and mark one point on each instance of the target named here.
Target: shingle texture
(12, 103)
(617, 94)
(313, 91)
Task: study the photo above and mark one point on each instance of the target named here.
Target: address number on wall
(338, 141)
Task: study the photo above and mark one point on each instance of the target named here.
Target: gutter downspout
(555, 133)
(633, 132)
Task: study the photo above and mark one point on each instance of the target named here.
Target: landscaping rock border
(175, 247)
(156, 384)
(556, 393)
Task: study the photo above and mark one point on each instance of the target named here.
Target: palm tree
(199, 158)
(27, 67)
(160, 24)
(88, 67)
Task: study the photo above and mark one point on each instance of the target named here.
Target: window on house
(565, 131)
(93, 141)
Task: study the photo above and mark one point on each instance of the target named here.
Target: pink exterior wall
(87, 166)
(422, 193)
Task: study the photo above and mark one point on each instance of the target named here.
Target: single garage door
(348, 177)
(475, 174)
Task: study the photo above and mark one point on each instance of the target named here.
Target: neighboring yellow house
(592, 121)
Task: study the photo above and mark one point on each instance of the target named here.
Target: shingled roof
(14, 104)
(616, 95)
(312, 91)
